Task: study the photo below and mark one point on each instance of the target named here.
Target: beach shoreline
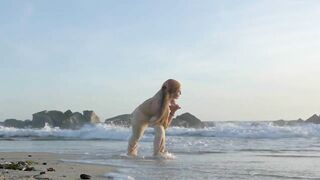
(42, 162)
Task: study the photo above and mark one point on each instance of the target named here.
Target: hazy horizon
(236, 60)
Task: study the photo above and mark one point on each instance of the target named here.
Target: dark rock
(121, 120)
(187, 120)
(40, 119)
(28, 123)
(68, 113)
(14, 123)
(44, 163)
(50, 169)
(42, 172)
(184, 120)
(313, 119)
(57, 117)
(85, 176)
(17, 123)
(280, 122)
(91, 117)
(29, 155)
(75, 121)
(66, 120)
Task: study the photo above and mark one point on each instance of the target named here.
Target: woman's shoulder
(150, 106)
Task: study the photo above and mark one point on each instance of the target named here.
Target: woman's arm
(173, 108)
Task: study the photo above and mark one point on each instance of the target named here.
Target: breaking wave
(221, 129)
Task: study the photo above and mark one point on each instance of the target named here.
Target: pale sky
(236, 59)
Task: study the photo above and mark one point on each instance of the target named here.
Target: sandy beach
(227, 150)
(43, 161)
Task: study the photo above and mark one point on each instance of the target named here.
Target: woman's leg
(159, 142)
(138, 129)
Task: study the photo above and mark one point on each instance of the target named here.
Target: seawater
(228, 150)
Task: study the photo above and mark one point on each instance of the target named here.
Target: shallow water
(228, 151)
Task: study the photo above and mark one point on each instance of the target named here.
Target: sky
(236, 59)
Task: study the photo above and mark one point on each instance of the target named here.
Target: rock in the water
(295, 122)
(66, 120)
(39, 119)
(184, 120)
(91, 116)
(68, 113)
(75, 121)
(57, 117)
(313, 119)
(280, 122)
(85, 176)
(15, 123)
(121, 120)
(187, 120)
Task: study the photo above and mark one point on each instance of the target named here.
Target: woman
(157, 112)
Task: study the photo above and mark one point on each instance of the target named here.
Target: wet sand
(43, 161)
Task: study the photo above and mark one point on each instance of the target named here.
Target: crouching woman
(156, 112)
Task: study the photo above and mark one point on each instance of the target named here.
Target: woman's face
(176, 94)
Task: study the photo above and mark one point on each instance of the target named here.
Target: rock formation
(16, 123)
(187, 120)
(282, 122)
(313, 119)
(121, 120)
(184, 120)
(66, 120)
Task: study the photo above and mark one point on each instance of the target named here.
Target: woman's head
(173, 88)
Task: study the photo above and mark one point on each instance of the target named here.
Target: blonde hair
(168, 88)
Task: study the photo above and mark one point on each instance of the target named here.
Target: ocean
(226, 150)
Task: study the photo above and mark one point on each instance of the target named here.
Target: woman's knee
(137, 131)
(159, 130)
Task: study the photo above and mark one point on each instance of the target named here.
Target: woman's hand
(174, 107)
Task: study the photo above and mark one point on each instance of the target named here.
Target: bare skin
(157, 112)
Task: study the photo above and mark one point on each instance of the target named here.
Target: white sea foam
(99, 131)
(250, 130)
(165, 155)
(118, 176)
(221, 129)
